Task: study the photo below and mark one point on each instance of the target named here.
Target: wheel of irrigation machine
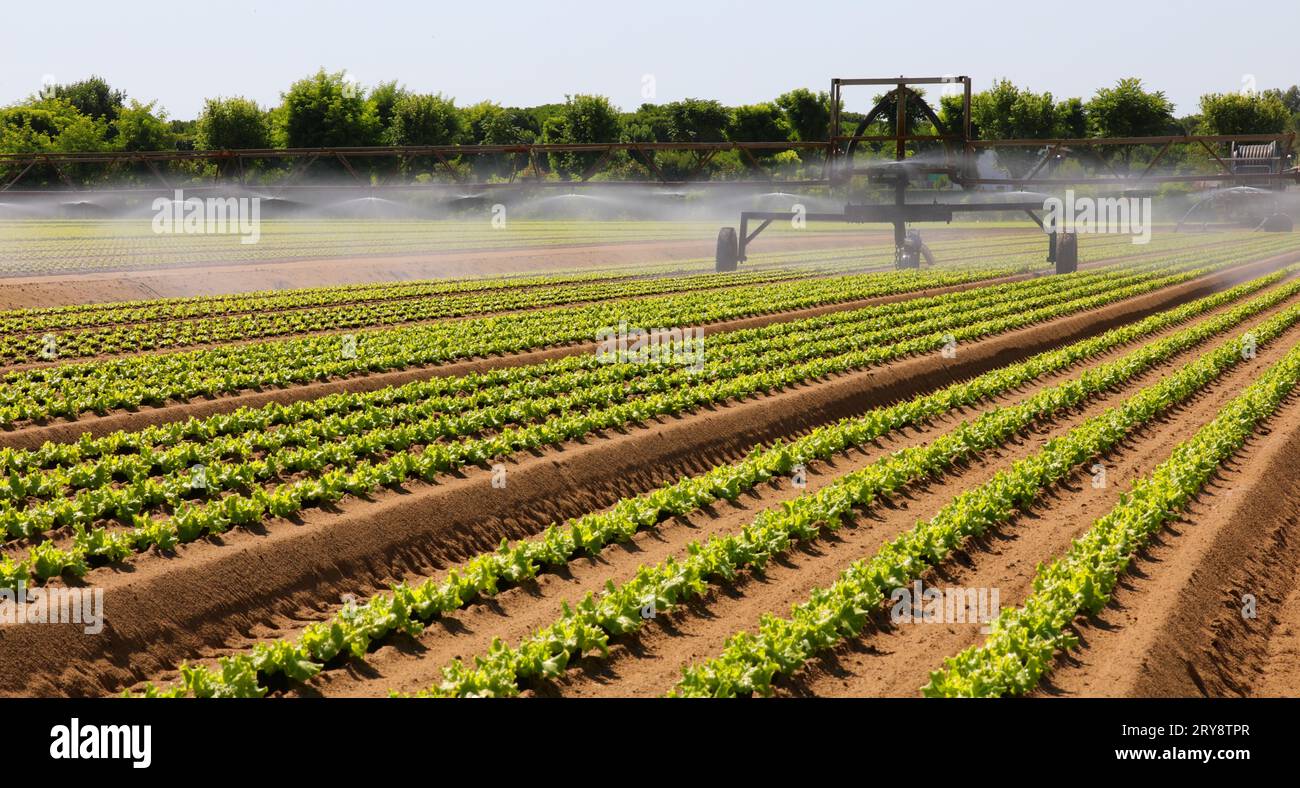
(1067, 253)
(1277, 223)
(728, 254)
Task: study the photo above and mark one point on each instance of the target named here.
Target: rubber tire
(1277, 223)
(1067, 253)
(728, 253)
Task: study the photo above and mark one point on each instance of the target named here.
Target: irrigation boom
(1253, 158)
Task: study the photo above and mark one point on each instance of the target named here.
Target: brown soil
(166, 608)
(1281, 670)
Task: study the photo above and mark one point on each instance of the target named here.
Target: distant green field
(58, 246)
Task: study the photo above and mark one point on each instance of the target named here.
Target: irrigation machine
(955, 152)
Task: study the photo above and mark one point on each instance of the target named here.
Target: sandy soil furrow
(1281, 669)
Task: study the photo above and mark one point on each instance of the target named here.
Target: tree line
(330, 110)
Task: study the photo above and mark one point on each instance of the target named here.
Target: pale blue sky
(524, 53)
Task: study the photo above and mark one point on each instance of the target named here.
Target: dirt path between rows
(166, 608)
(1281, 666)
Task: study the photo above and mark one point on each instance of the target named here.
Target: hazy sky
(524, 53)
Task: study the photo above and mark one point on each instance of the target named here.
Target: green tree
(50, 125)
(426, 119)
(488, 123)
(92, 97)
(581, 119)
(1240, 113)
(1291, 98)
(807, 114)
(184, 132)
(757, 123)
(325, 110)
(650, 123)
(1188, 124)
(952, 113)
(539, 114)
(1005, 112)
(1071, 118)
(761, 123)
(1129, 110)
(232, 124)
(40, 124)
(139, 129)
(384, 99)
(696, 120)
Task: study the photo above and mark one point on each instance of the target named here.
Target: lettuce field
(636, 477)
